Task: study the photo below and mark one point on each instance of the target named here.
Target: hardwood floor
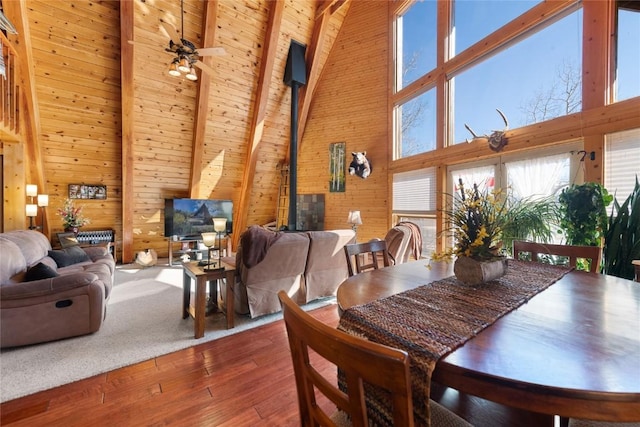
(244, 379)
(241, 380)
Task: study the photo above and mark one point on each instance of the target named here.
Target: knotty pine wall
(350, 106)
(76, 57)
(76, 53)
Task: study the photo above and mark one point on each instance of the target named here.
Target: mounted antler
(497, 139)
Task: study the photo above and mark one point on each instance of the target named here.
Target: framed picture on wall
(336, 166)
(83, 191)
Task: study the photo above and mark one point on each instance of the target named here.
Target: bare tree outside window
(562, 98)
(412, 115)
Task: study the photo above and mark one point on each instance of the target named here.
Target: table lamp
(32, 211)
(209, 240)
(220, 226)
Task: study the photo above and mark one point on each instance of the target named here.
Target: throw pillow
(39, 271)
(69, 256)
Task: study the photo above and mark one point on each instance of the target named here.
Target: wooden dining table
(571, 350)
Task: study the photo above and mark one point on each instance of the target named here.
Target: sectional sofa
(308, 265)
(47, 295)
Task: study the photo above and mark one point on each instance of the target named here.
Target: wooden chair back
(592, 253)
(373, 251)
(360, 360)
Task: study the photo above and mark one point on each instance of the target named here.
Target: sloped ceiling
(160, 136)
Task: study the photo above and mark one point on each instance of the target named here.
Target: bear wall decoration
(360, 165)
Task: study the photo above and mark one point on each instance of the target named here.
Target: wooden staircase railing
(9, 93)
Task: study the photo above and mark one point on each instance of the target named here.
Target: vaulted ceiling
(103, 110)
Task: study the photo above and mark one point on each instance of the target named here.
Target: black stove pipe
(295, 75)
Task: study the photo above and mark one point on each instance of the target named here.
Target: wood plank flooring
(241, 380)
(244, 379)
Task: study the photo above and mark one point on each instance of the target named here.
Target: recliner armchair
(72, 301)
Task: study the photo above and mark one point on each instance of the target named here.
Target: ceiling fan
(185, 52)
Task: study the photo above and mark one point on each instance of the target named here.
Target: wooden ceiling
(103, 110)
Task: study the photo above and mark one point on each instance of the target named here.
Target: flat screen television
(188, 218)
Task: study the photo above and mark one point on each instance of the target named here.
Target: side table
(191, 270)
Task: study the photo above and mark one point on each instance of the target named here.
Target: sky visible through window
(518, 79)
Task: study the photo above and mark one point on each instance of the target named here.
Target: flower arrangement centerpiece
(475, 220)
(72, 217)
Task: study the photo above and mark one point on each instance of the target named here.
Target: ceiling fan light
(173, 69)
(184, 65)
(192, 75)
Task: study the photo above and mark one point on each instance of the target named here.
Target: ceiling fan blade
(211, 51)
(204, 67)
(170, 31)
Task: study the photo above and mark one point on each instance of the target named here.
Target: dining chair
(592, 253)
(373, 250)
(361, 361)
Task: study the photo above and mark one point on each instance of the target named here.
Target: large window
(474, 20)
(628, 54)
(417, 125)
(458, 61)
(523, 176)
(531, 76)
(414, 199)
(416, 41)
(534, 80)
(622, 164)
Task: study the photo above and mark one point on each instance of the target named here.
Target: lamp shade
(32, 190)
(32, 210)
(184, 65)
(43, 200)
(354, 218)
(209, 239)
(173, 68)
(219, 224)
(191, 75)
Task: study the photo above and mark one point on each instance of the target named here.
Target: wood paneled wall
(76, 52)
(350, 106)
(76, 49)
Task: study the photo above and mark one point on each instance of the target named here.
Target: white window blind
(414, 191)
(622, 163)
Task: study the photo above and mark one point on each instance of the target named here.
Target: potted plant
(475, 220)
(485, 224)
(72, 218)
(622, 239)
(583, 215)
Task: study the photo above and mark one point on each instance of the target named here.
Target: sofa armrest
(12, 291)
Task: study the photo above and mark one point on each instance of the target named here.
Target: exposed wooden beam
(330, 6)
(127, 94)
(202, 99)
(597, 77)
(16, 12)
(259, 112)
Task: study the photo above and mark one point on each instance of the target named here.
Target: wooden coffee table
(193, 271)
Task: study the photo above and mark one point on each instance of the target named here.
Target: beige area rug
(144, 320)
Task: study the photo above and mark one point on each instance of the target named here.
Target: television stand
(187, 246)
(190, 246)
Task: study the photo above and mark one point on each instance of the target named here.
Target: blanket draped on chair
(255, 242)
(416, 238)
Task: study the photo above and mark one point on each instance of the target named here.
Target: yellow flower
(475, 223)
